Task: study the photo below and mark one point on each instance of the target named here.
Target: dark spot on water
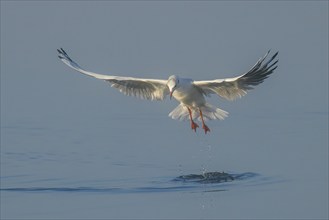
(209, 177)
(214, 177)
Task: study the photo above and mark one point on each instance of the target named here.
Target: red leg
(193, 124)
(204, 126)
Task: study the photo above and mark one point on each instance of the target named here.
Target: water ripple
(205, 182)
(99, 190)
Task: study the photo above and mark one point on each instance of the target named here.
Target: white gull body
(191, 94)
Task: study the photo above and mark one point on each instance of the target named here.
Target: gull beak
(171, 94)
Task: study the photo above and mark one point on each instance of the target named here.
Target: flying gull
(190, 93)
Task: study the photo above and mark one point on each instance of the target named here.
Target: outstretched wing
(233, 88)
(152, 89)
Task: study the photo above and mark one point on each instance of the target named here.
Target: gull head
(172, 84)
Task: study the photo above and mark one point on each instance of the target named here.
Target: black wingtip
(63, 54)
(63, 51)
(275, 54)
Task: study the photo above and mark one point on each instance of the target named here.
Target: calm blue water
(73, 173)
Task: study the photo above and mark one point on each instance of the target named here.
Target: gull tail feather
(209, 112)
(179, 113)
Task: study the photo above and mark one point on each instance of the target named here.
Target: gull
(191, 94)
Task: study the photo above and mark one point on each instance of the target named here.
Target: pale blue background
(61, 129)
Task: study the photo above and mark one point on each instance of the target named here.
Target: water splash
(206, 177)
